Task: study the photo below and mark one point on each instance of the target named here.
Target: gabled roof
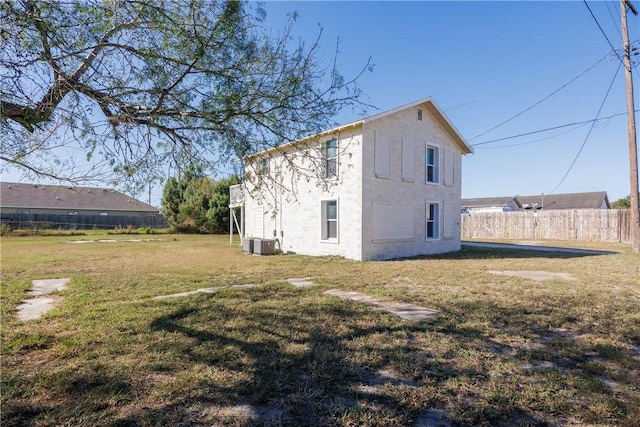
(488, 202)
(431, 106)
(437, 114)
(38, 196)
(592, 200)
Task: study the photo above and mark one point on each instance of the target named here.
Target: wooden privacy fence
(612, 225)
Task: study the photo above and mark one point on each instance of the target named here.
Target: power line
(615, 21)
(586, 138)
(536, 140)
(602, 31)
(548, 129)
(543, 99)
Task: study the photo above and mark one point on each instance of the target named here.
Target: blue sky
(483, 63)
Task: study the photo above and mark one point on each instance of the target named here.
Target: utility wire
(615, 22)
(602, 31)
(548, 129)
(586, 138)
(543, 99)
(537, 140)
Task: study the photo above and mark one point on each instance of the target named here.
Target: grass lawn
(504, 350)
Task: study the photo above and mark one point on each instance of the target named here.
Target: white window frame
(73, 213)
(435, 165)
(324, 236)
(24, 212)
(435, 221)
(264, 166)
(329, 173)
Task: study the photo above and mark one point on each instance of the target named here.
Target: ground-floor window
(330, 220)
(433, 220)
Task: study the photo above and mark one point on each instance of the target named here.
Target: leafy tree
(624, 203)
(218, 212)
(195, 204)
(139, 86)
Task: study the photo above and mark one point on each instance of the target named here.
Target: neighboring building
(386, 186)
(490, 204)
(22, 198)
(48, 203)
(592, 200)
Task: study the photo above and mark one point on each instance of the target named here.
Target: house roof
(38, 196)
(431, 106)
(592, 200)
(488, 202)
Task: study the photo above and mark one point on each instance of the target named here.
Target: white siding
(382, 155)
(258, 222)
(293, 206)
(449, 168)
(377, 218)
(408, 159)
(392, 222)
(378, 239)
(451, 215)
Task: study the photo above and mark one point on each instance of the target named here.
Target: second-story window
(433, 164)
(330, 158)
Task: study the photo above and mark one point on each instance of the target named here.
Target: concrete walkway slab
(205, 291)
(115, 241)
(402, 310)
(34, 308)
(300, 282)
(46, 286)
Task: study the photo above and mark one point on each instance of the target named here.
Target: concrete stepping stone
(34, 308)
(402, 310)
(205, 291)
(301, 282)
(46, 286)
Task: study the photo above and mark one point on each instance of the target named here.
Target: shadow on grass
(278, 357)
(79, 394)
(513, 251)
(319, 367)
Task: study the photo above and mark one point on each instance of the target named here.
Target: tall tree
(195, 204)
(624, 203)
(135, 85)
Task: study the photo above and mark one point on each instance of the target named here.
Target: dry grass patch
(504, 350)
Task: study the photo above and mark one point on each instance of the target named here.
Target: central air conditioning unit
(264, 246)
(247, 245)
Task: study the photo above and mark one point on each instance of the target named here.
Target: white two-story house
(386, 186)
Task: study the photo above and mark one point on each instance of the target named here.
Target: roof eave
(298, 142)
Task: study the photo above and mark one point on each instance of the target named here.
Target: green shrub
(5, 230)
